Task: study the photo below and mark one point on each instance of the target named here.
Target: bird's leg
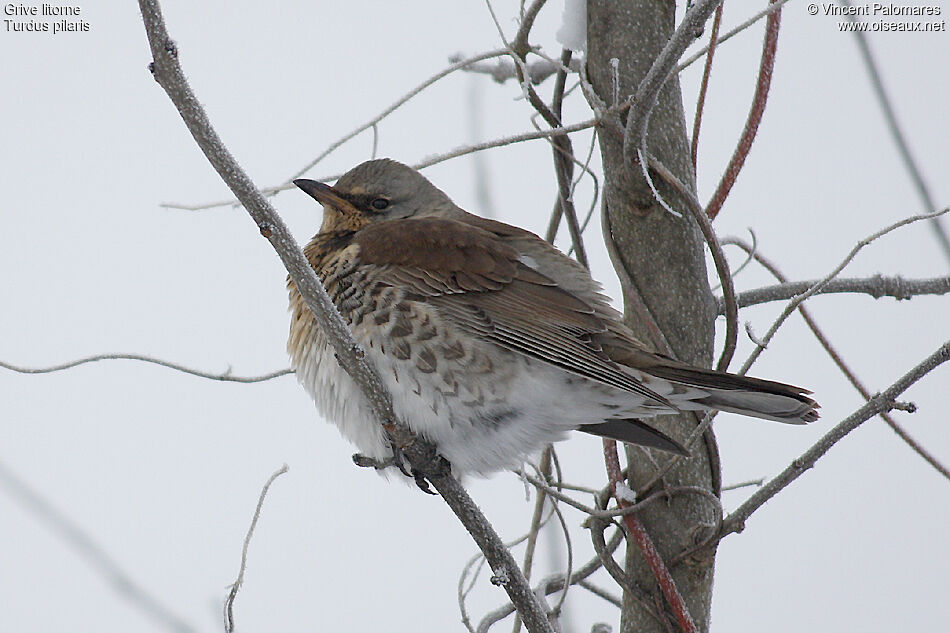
(434, 465)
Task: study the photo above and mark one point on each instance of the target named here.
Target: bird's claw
(399, 461)
(435, 465)
(423, 483)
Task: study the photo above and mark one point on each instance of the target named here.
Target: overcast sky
(161, 470)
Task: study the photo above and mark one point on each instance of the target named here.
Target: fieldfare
(492, 342)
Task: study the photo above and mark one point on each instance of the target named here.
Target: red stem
(636, 530)
(701, 101)
(755, 115)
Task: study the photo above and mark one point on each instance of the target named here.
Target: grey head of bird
(377, 191)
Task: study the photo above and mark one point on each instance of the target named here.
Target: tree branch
(877, 286)
(223, 377)
(239, 581)
(842, 365)
(90, 551)
(769, 10)
(642, 538)
(799, 299)
(456, 64)
(168, 73)
(903, 148)
(704, 86)
(755, 115)
(663, 66)
(882, 402)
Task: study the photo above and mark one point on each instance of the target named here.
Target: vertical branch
(704, 85)
(660, 260)
(642, 538)
(541, 498)
(755, 115)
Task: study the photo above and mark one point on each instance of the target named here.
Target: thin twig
(544, 470)
(663, 66)
(120, 580)
(642, 538)
(884, 401)
(719, 260)
(507, 140)
(846, 370)
(465, 64)
(893, 126)
(799, 299)
(520, 44)
(744, 484)
(457, 65)
(504, 69)
(744, 146)
(704, 86)
(555, 582)
(224, 377)
(601, 593)
(772, 8)
(239, 581)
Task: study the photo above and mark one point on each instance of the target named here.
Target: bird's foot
(430, 465)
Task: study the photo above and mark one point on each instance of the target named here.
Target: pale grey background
(163, 469)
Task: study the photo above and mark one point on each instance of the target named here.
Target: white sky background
(162, 469)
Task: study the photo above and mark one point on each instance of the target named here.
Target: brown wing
(479, 283)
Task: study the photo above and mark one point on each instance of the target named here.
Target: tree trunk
(660, 260)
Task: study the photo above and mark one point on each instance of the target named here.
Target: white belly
(486, 411)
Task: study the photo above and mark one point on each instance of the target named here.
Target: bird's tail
(740, 394)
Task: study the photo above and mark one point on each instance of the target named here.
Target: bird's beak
(325, 195)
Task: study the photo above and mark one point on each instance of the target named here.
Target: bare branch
(544, 469)
(663, 66)
(794, 303)
(601, 593)
(719, 259)
(843, 366)
(456, 65)
(744, 484)
(877, 286)
(772, 8)
(233, 591)
(168, 73)
(520, 44)
(704, 86)
(903, 148)
(504, 69)
(882, 402)
(544, 68)
(506, 140)
(642, 538)
(555, 583)
(759, 100)
(224, 377)
(427, 162)
(120, 580)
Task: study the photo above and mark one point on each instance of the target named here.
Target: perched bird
(492, 342)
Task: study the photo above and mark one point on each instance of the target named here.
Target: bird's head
(376, 191)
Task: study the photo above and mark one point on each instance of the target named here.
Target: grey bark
(659, 258)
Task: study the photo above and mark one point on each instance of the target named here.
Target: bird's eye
(380, 203)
